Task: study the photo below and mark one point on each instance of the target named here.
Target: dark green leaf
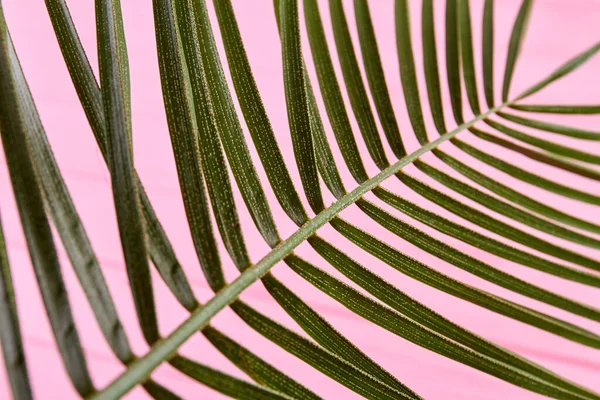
(159, 392)
(212, 161)
(319, 358)
(502, 207)
(376, 78)
(324, 334)
(453, 60)
(297, 106)
(255, 114)
(514, 47)
(230, 130)
(552, 147)
(67, 222)
(559, 109)
(483, 242)
(516, 197)
(487, 51)
(183, 131)
(83, 78)
(546, 158)
(354, 84)
(493, 224)
(416, 333)
(408, 74)
(114, 82)
(563, 70)
(10, 331)
(466, 47)
(417, 312)
(223, 383)
(551, 127)
(261, 372)
(332, 96)
(35, 224)
(430, 64)
(461, 260)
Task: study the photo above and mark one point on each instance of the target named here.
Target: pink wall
(558, 30)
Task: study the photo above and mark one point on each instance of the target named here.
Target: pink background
(558, 30)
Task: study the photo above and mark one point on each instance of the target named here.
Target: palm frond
(209, 144)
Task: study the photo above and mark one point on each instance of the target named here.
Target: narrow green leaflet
(453, 59)
(461, 260)
(319, 358)
(561, 71)
(408, 75)
(551, 127)
(487, 51)
(323, 154)
(557, 109)
(163, 256)
(115, 92)
(183, 131)
(546, 158)
(524, 175)
(255, 114)
(484, 242)
(67, 222)
(324, 334)
(35, 224)
(223, 383)
(430, 65)
(10, 331)
(297, 106)
(325, 161)
(256, 368)
(515, 196)
(376, 78)
(354, 83)
(87, 89)
(418, 334)
(514, 47)
(230, 130)
(211, 154)
(330, 90)
(494, 225)
(432, 277)
(159, 392)
(407, 306)
(466, 47)
(80, 70)
(505, 208)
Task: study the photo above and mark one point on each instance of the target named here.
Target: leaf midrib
(163, 349)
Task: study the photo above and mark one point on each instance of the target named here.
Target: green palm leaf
(209, 144)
